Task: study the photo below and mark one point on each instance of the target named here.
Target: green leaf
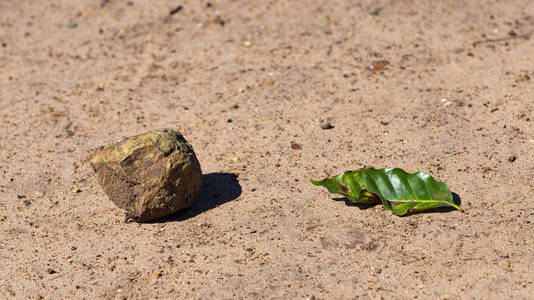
(399, 191)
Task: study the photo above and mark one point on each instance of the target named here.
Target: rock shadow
(217, 189)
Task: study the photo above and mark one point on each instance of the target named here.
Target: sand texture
(270, 94)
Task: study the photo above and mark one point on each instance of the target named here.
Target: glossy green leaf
(399, 191)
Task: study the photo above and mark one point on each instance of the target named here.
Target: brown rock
(149, 175)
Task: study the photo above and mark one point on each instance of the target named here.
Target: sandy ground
(243, 80)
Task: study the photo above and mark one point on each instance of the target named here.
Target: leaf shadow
(217, 189)
(361, 206)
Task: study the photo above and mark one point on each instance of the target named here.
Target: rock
(150, 175)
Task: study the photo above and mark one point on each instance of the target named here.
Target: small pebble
(325, 124)
(21, 196)
(177, 9)
(512, 158)
(26, 202)
(50, 271)
(296, 146)
(375, 12)
(524, 78)
(378, 65)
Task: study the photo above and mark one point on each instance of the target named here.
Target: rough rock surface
(149, 175)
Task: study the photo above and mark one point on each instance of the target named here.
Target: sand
(244, 81)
